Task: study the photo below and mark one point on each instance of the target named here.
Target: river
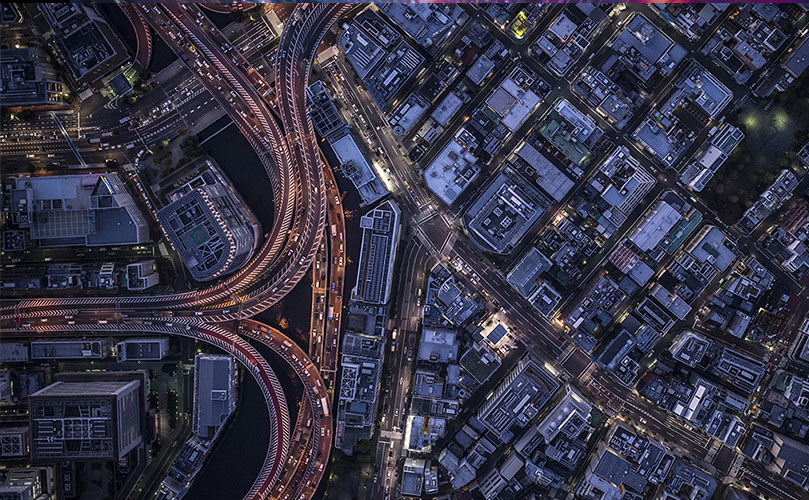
(237, 456)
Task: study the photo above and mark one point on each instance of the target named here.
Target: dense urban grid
(377, 251)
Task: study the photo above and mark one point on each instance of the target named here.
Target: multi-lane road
(284, 140)
(277, 126)
(434, 226)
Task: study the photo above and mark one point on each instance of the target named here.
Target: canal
(239, 452)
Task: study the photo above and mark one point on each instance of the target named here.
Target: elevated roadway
(220, 337)
(143, 37)
(286, 146)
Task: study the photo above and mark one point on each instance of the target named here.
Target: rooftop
(86, 209)
(438, 345)
(504, 212)
(618, 471)
(211, 228)
(518, 398)
(570, 416)
(452, 170)
(689, 348)
(355, 167)
(525, 275)
(214, 393)
(88, 44)
(655, 225)
(380, 239)
(552, 180)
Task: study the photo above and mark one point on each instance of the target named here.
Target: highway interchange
(273, 118)
(293, 163)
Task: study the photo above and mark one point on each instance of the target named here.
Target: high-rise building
(503, 213)
(518, 398)
(325, 117)
(85, 420)
(380, 238)
(214, 393)
(87, 43)
(791, 460)
(359, 386)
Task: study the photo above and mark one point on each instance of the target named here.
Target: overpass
(291, 160)
(143, 37)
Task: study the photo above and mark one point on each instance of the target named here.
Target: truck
(333, 231)
(331, 313)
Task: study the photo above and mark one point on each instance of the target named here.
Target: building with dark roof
(687, 479)
(791, 459)
(89, 46)
(379, 55)
(325, 116)
(380, 239)
(608, 476)
(518, 398)
(26, 483)
(361, 370)
(504, 212)
(356, 167)
(145, 349)
(27, 78)
(480, 362)
(211, 228)
(85, 420)
(798, 59)
(429, 25)
(525, 275)
(214, 393)
(71, 349)
(552, 180)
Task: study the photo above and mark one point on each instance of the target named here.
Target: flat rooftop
(552, 180)
(356, 167)
(655, 226)
(452, 170)
(505, 211)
